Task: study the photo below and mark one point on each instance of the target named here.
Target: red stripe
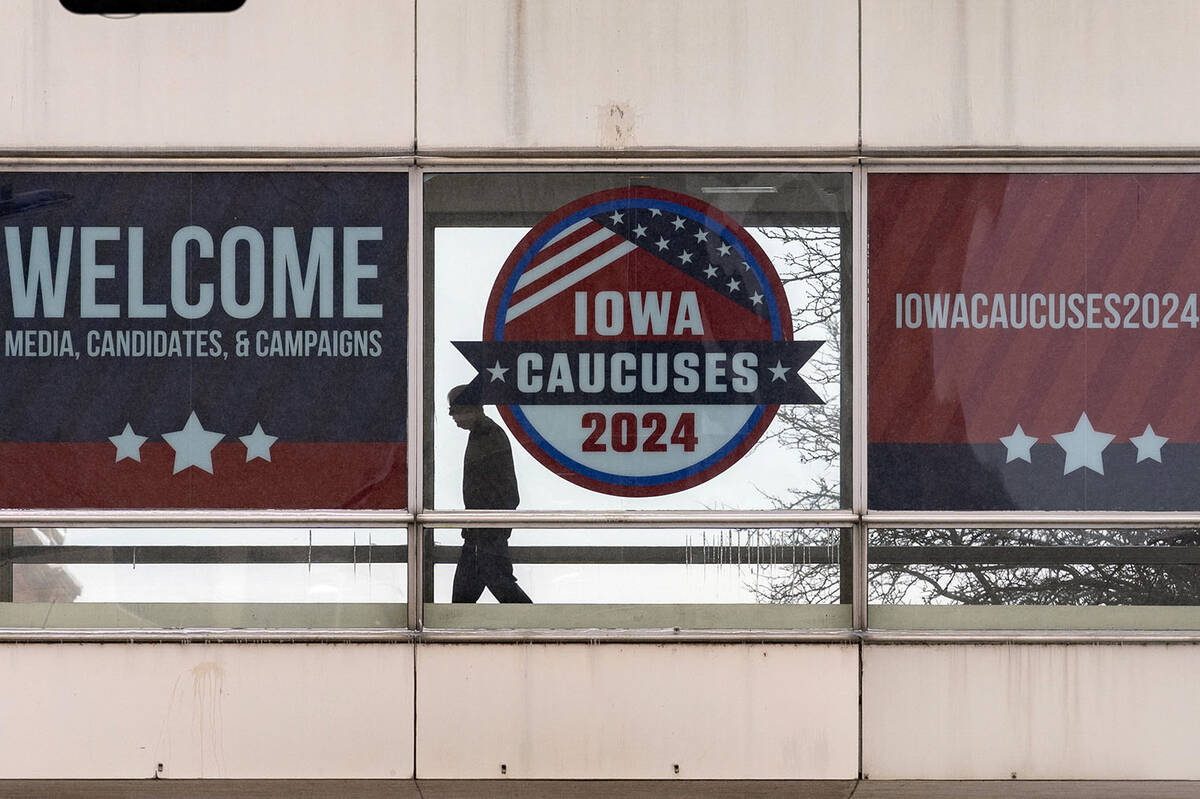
(571, 239)
(299, 476)
(583, 259)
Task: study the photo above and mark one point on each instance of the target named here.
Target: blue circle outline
(510, 287)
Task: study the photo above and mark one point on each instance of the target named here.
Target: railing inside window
(1165, 552)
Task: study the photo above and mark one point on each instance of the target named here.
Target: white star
(655, 212)
(756, 298)
(1084, 446)
(1017, 446)
(724, 249)
(685, 257)
(711, 272)
(702, 235)
(745, 266)
(128, 444)
(639, 231)
(193, 445)
(678, 223)
(497, 372)
(778, 371)
(733, 285)
(662, 244)
(258, 444)
(616, 217)
(1149, 445)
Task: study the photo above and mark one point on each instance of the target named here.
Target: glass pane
(1033, 341)
(1069, 578)
(647, 341)
(630, 578)
(203, 339)
(223, 577)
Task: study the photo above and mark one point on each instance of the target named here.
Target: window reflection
(666, 566)
(220, 565)
(986, 566)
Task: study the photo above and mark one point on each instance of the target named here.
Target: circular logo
(638, 342)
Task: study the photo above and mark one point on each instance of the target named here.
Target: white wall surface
(100, 711)
(632, 711)
(627, 74)
(276, 74)
(1102, 712)
(1030, 73)
(617, 77)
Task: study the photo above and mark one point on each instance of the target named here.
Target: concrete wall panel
(1029, 73)
(107, 711)
(628, 75)
(1104, 712)
(629, 711)
(276, 74)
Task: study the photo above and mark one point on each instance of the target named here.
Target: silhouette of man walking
(489, 482)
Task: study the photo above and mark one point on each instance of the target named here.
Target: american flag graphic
(631, 244)
(680, 239)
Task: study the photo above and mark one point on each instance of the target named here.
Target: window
(200, 341)
(638, 343)
(79, 578)
(730, 447)
(1031, 350)
(1031, 342)
(1029, 578)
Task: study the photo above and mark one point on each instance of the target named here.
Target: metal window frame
(416, 518)
(843, 518)
(984, 163)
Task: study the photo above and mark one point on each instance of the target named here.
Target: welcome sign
(202, 340)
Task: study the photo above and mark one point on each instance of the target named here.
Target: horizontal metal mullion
(666, 555)
(746, 160)
(123, 158)
(694, 554)
(1028, 637)
(1032, 519)
(1041, 159)
(224, 555)
(592, 637)
(10, 517)
(674, 519)
(1034, 555)
(142, 635)
(589, 636)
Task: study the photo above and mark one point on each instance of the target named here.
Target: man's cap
(453, 395)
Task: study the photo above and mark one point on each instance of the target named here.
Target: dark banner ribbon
(638, 372)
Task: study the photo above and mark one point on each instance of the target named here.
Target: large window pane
(225, 577)
(637, 577)
(1033, 341)
(1029, 578)
(640, 337)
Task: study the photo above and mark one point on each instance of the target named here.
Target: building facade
(964, 553)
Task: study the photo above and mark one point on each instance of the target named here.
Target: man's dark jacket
(489, 479)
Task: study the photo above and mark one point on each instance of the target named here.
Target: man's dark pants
(486, 563)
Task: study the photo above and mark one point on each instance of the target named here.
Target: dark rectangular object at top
(150, 6)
